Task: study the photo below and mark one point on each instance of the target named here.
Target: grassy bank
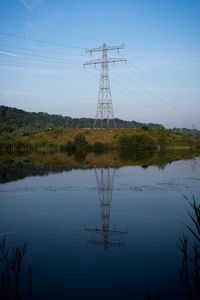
(100, 139)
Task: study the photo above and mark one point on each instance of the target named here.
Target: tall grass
(11, 260)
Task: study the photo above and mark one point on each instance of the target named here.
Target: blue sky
(159, 84)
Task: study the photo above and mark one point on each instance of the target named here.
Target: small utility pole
(104, 107)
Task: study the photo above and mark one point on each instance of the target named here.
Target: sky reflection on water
(102, 233)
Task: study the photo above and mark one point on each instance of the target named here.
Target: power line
(139, 96)
(24, 23)
(9, 63)
(135, 96)
(174, 108)
(36, 50)
(172, 103)
(41, 58)
(161, 90)
(167, 103)
(41, 41)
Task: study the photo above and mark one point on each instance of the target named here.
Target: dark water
(102, 233)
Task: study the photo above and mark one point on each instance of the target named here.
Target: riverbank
(60, 139)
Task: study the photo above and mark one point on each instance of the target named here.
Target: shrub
(136, 142)
(99, 147)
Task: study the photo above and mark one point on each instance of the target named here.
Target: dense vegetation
(129, 143)
(79, 141)
(16, 121)
(19, 122)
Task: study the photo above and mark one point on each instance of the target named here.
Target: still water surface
(102, 233)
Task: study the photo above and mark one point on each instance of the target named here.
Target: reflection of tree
(11, 269)
(105, 181)
(190, 268)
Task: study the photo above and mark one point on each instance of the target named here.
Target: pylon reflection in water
(105, 181)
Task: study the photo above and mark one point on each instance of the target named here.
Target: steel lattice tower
(104, 111)
(105, 181)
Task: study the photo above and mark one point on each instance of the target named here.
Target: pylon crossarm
(108, 244)
(93, 50)
(108, 61)
(107, 48)
(92, 62)
(106, 230)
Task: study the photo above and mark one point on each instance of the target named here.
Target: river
(102, 233)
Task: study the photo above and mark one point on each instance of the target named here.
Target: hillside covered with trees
(27, 131)
(14, 121)
(17, 121)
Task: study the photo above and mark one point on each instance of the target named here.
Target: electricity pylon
(105, 181)
(104, 110)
